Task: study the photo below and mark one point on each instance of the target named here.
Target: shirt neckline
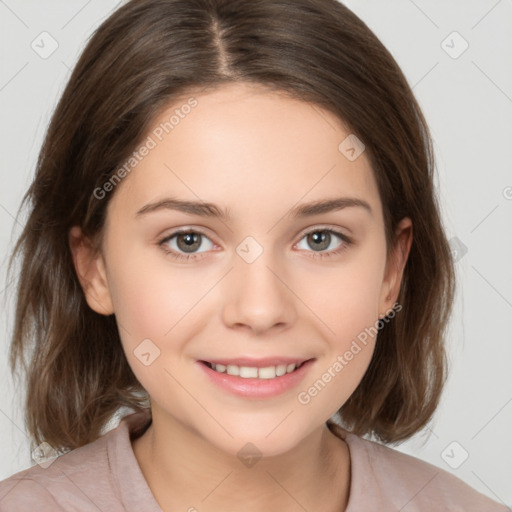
(355, 467)
(134, 490)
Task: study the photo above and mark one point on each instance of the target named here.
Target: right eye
(186, 242)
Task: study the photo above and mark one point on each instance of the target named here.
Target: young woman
(233, 233)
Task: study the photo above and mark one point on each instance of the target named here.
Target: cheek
(159, 310)
(150, 297)
(346, 297)
(348, 310)
(153, 310)
(348, 354)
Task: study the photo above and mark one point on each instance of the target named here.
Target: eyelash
(191, 257)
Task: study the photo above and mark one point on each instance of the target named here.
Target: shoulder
(71, 481)
(102, 475)
(403, 482)
(22, 493)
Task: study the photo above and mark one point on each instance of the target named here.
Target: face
(268, 280)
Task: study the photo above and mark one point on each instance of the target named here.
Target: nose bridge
(257, 295)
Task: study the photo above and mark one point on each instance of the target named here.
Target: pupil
(321, 236)
(190, 239)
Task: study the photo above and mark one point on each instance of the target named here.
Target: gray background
(467, 100)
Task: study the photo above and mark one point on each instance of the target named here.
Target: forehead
(247, 148)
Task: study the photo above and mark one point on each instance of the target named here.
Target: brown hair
(143, 57)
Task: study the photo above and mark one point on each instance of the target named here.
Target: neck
(185, 472)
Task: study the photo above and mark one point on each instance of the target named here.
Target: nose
(257, 296)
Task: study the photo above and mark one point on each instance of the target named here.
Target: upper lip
(257, 363)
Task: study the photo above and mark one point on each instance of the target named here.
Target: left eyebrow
(204, 209)
(328, 205)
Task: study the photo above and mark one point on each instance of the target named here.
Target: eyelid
(323, 227)
(188, 229)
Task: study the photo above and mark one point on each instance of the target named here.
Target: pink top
(105, 476)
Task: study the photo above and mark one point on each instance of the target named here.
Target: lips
(260, 386)
(257, 363)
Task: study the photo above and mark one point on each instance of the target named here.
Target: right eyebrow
(199, 208)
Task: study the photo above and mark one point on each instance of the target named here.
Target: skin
(259, 154)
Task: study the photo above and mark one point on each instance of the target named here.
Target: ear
(90, 269)
(395, 266)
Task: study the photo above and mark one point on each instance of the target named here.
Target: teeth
(247, 372)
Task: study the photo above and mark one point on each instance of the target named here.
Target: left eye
(321, 239)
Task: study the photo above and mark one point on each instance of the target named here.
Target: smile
(257, 382)
(252, 372)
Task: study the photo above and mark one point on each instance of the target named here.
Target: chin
(259, 439)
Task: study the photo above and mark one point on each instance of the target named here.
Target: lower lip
(257, 388)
